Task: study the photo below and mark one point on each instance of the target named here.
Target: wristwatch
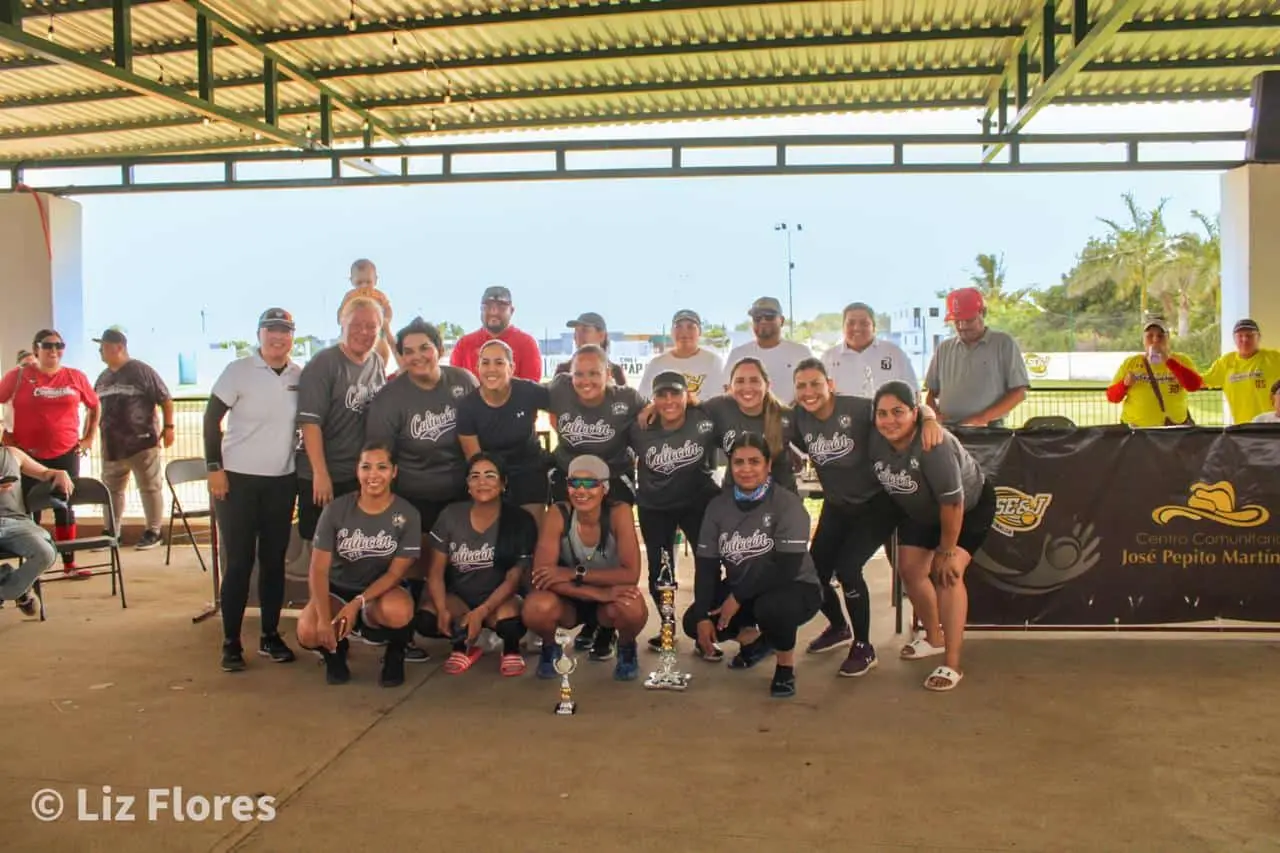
(579, 575)
(212, 467)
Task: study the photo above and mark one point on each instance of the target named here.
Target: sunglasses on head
(583, 482)
(58, 345)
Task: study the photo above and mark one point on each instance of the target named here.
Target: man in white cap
(779, 355)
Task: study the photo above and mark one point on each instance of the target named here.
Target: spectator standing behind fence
(861, 363)
(1246, 375)
(131, 391)
(1153, 384)
(496, 310)
(590, 328)
(1273, 416)
(778, 355)
(25, 359)
(977, 377)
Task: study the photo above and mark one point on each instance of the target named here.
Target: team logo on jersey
(915, 464)
(705, 427)
(825, 450)
(356, 545)
(577, 431)
(430, 426)
(845, 421)
(397, 521)
(1019, 512)
(886, 363)
(467, 559)
(737, 549)
(358, 396)
(668, 459)
(895, 482)
(458, 391)
(620, 408)
(767, 519)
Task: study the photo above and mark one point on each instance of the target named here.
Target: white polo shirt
(779, 360)
(260, 434)
(860, 374)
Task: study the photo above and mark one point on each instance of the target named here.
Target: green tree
(450, 331)
(1132, 255)
(715, 336)
(242, 348)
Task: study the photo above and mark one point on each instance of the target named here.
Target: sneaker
(372, 640)
(628, 666)
(547, 657)
(28, 603)
(603, 647)
(275, 648)
(413, 654)
(392, 666)
(586, 638)
(150, 539)
(831, 638)
(751, 654)
(717, 653)
(336, 670)
(783, 685)
(861, 660)
(232, 656)
(655, 643)
(531, 644)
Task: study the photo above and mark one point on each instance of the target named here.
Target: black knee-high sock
(858, 600)
(511, 630)
(340, 654)
(398, 639)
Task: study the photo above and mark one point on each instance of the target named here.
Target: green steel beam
(1080, 21)
(270, 91)
(122, 34)
(326, 121)
(1100, 34)
(1049, 43)
(11, 12)
(204, 59)
(17, 37)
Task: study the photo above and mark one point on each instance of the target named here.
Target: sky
(632, 250)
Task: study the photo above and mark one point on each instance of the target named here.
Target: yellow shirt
(1141, 406)
(1245, 382)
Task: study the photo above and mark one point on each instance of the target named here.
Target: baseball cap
(1157, 322)
(588, 466)
(497, 293)
(276, 317)
(965, 304)
(765, 305)
(111, 336)
(1246, 325)
(686, 314)
(588, 318)
(669, 380)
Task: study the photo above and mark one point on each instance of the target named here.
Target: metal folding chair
(178, 473)
(88, 493)
(1049, 422)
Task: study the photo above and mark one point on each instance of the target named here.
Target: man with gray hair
(862, 362)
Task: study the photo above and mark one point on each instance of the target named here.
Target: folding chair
(1049, 422)
(177, 473)
(88, 493)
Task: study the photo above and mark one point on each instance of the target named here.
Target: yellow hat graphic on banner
(1214, 502)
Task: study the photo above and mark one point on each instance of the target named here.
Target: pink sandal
(512, 665)
(459, 662)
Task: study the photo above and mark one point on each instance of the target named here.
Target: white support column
(41, 275)
(1251, 250)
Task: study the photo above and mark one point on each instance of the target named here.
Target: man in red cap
(977, 377)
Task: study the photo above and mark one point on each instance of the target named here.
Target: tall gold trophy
(565, 665)
(668, 677)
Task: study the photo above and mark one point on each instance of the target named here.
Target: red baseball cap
(965, 304)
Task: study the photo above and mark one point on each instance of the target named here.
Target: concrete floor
(1053, 744)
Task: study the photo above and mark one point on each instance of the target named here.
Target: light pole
(791, 302)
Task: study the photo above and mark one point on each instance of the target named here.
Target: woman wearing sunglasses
(755, 581)
(751, 406)
(586, 568)
(480, 549)
(46, 403)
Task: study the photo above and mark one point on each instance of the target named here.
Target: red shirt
(524, 347)
(46, 409)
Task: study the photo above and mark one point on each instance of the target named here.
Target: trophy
(667, 678)
(565, 665)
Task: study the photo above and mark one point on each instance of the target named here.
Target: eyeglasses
(482, 476)
(583, 482)
(58, 345)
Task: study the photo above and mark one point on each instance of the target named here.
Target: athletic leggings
(64, 515)
(778, 613)
(658, 527)
(256, 521)
(846, 538)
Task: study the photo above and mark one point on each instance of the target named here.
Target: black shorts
(309, 513)
(529, 486)
(429, 511)
(348, 594)
(973, 530)
(620, 489)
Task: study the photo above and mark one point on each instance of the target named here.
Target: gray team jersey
(838, 447)
(364, 545)
(731, 422)
(920, 482)
(472, 573)
(333, 393)
(601, 430)
(675, 465)
(742, 541)
(422, 425)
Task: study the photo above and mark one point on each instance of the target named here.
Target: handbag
(1155, 386)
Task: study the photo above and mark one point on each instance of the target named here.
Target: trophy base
(566, 709)
(667, 681)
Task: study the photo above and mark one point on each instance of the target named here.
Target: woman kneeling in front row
(949, 506)
(364, 543)
(759, 534)
(480, 549)
(586, 569)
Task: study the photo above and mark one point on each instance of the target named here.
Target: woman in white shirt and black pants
(253, 482)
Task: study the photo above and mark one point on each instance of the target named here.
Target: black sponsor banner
(1112, 526)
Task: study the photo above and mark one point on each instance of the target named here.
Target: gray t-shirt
(968, 379)
(921, 482)
(675, 465)
(333, 393)
(11, 505)
(422, 425)
(742, 541)
(472, 572)
(731, 422)
(364, 545)
(601, 430)
(838, 447)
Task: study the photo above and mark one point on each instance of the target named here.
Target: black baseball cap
(670, 380)
(1246, 325)
(588, 318)
(276, 317)
(497, 293)
(687, 314)
(111, 336)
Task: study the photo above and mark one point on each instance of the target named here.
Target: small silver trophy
(667, 678)
(868, 382)
(565, 665)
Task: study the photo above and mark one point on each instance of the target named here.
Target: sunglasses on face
(583, 482)
(50, 345)
(482, 476)
(766, 315)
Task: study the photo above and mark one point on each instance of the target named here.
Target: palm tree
(1132, 255)
(989, 277)
(1193, 271)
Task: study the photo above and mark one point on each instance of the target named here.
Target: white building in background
(918, 331)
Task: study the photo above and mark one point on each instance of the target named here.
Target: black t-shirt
(507, 431)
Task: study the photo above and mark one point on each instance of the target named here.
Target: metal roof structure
(122, 81)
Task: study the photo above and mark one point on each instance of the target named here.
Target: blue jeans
(32, 545)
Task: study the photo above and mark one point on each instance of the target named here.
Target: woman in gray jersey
(586, 568)
(364, 543)
(755, 580)
(857, 516)
(674, 447)
(751, 406)
(948, 505)
(479, 550)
